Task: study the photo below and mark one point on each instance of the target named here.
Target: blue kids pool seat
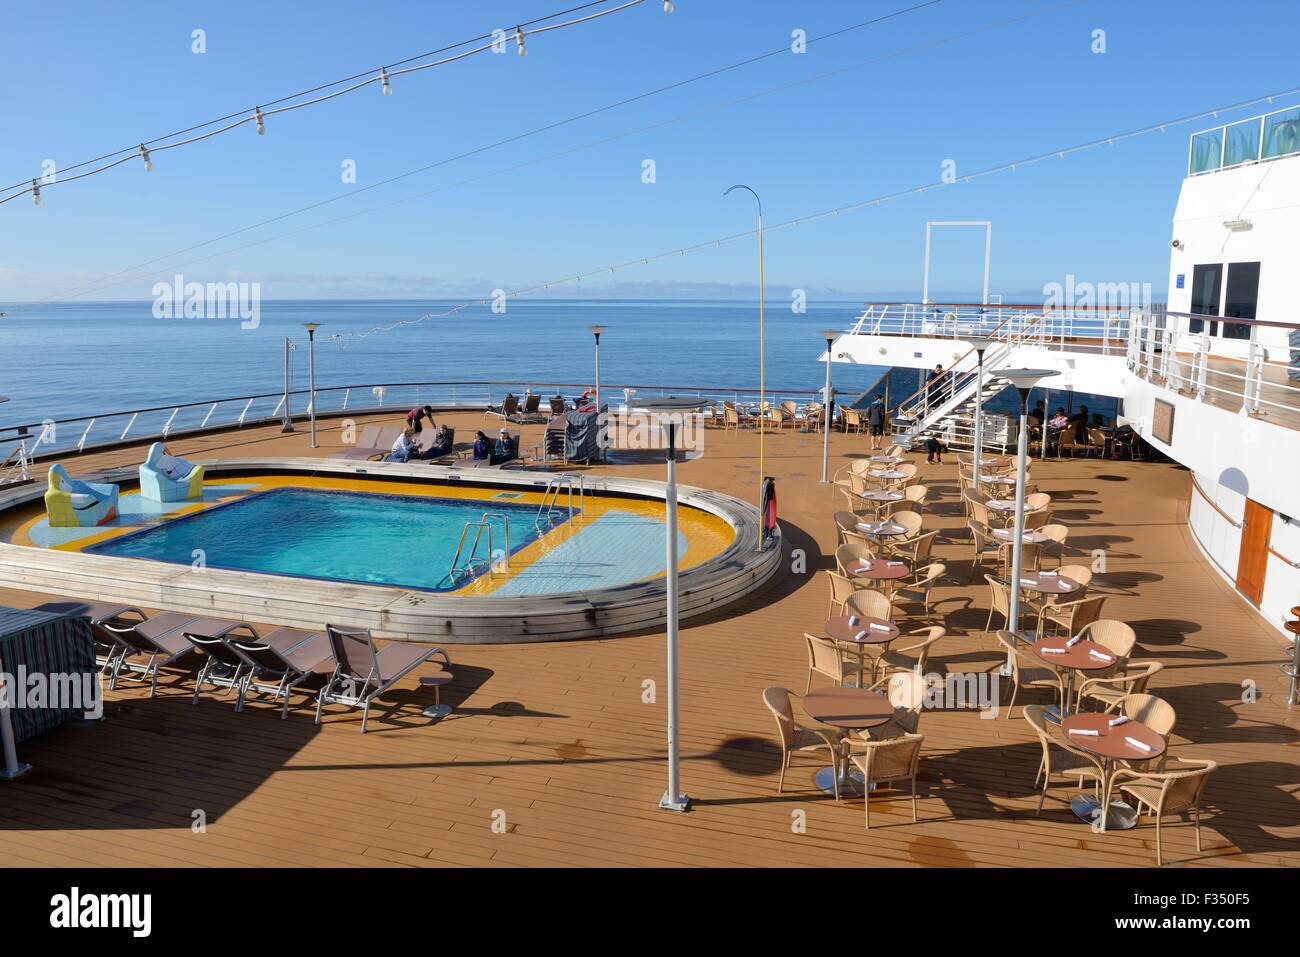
(166, 478)
(71, 502)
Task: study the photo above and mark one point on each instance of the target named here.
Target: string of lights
(111, 279)
(257, 115)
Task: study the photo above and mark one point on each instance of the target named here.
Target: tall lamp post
(762, 382)
(829, 335)
(311, 328)
(596, 330)
(979, 344)
(1024, 380)
(670, 411)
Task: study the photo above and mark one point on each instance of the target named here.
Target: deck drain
(508, 495)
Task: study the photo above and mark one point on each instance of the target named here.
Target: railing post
(1202, 369)
(167, 426)
(128, 426)
(81, 445)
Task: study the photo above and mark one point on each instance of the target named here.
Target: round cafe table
(1085, 655)
(1030, 537)
(1003, 505)
(989, 463)
(885, 475)
(1110, 745)
(881, 497)
(1048, 583)
(848, 709)
(881, 570)
(859, 633)
(881, 529)
(886, 459)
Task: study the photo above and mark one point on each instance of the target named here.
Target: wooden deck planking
(579, 765)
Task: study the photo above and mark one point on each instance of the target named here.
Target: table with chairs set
(1102, 733)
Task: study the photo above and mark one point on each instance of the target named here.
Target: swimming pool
(405, 541)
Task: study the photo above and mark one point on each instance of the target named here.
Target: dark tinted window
(1206, 281)
(1242, 298)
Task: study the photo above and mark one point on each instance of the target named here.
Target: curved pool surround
(303, 542)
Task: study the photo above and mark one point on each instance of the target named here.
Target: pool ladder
(474, 560)
(551, 497)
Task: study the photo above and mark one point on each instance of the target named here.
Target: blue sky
(105, 75)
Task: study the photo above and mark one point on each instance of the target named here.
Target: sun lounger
(160, 638)
(529, 412)
(287, 656)
(506, 409)
(222, 666)
(371, 444)
(363, 672)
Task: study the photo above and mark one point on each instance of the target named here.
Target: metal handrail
(1215, 505)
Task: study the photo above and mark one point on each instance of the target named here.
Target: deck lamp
(670, 412)
(980, 344)
(829, 335)
(1024, 380)
(311, 328)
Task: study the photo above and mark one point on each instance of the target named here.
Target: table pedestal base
(1119, 817)
(849, 787)
(437, 711)
(19, 771)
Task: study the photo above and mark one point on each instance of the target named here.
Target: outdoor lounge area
(561, 739)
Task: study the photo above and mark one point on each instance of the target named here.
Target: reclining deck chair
(363, 672)
(160, 638)
(288, 656)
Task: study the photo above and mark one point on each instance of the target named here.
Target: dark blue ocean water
(73, 360)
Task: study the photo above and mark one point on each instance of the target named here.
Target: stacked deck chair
(363, 672)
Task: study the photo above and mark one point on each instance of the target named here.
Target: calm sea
(72, 360)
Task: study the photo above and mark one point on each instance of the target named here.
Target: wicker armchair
(910, 659)
(825, 657)
(885, 762)
(799, 739)
(1027, 673)
(1109, 693)
(1077, 764)
(1168, 792)
(841, 588)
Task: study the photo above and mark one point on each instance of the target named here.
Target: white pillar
(673, 798)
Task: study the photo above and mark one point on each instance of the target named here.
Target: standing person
(414, 417)
(934, 385)
(876, 420)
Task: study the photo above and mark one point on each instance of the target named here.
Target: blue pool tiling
(616, 549)
(406, 541)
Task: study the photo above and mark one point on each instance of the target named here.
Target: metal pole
(598, 373)
(12, 766)
(673, 799)
(286, 423)
(762, 382)
(826, 433)
(1018, 535)
(311, 374)
(979, 418)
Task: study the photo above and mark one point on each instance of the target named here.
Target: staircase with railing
(946, 407)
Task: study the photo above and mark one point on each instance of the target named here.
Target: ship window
(1206, 281)
(1241, 298)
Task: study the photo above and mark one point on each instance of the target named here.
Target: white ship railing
(1101, 329)
(1164, 351)
(26, 442)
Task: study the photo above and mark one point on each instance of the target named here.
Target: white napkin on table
(1074, 641)
(1122, 719)
(1052, 651)
(1028, 583)
(1140, 745)
(1086, 731)
(853, 621)
(859, 636)
(894, 564)
(1099, 655)
(879, 627)
(1046, 574)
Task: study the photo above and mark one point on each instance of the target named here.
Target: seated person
(482, 446)
(441, 445)
(1059, 421)
(404, 448)
(1039, 413)
(505, 449)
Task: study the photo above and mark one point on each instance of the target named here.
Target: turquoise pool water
(407, 541)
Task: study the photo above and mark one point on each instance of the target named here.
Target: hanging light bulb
(36, 192)
(144, 155)
(519, 38)
(668, 6)
(261, 124)
(383, 80)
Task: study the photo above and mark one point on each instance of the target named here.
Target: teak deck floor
(551, 757)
